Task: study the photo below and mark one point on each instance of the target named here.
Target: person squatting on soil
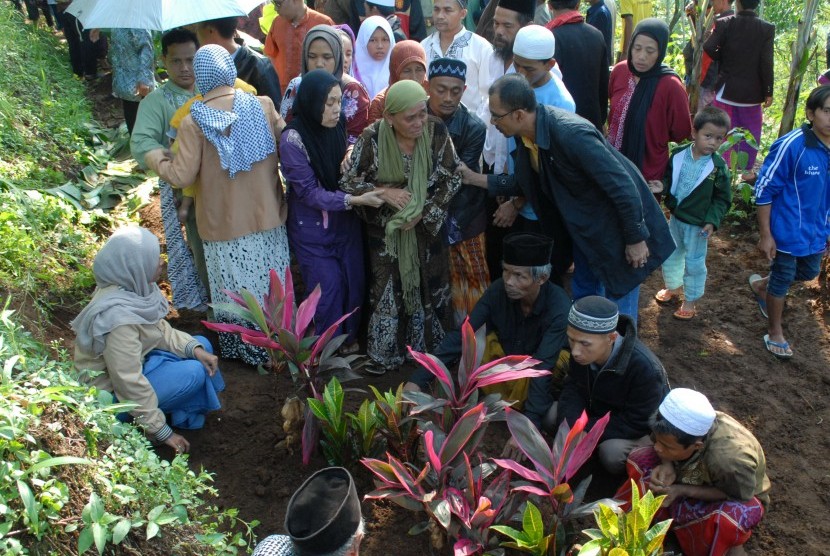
(711, 469)
(793, 199)
(610, 371)
(123, 339)
(322, 519)
(524, 313)
(698, 193)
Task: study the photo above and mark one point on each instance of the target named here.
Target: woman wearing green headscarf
(409, 157)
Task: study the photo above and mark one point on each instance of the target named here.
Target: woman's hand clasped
(395, 198)
(369, 199)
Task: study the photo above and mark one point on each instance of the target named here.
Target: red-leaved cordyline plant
(448, 488)
(461, 392)
(554, 466)
(285, 332)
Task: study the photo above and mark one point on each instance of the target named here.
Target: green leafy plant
(394, 424)
(629, 533)
(531, 538)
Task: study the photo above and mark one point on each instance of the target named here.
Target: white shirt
(474, 51)
(495, 144)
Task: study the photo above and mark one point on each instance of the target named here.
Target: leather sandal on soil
(680, 314)
(665, 296)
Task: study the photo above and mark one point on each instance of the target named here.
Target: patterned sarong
(469, 276)
(702, 528)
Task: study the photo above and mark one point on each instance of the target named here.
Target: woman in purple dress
(323, 233)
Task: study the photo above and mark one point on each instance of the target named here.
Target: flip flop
(665, 296)
(785, 346)
(762, 302)
(680, 314)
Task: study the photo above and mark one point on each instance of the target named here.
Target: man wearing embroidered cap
(452, 40)
(524, 314)
(323, 518)
(711, 469)
(467, 218)
(386, 9)
(611, 370)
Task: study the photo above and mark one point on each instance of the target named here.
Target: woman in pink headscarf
(408, 61)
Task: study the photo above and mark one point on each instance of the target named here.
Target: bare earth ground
(785, 404)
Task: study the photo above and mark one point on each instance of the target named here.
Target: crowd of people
(500, 169)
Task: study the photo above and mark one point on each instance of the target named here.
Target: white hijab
(129, 261)
(373, 74)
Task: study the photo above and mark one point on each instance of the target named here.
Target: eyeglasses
(494, 118)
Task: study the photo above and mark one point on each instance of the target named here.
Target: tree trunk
(801, 50)
(703, 20)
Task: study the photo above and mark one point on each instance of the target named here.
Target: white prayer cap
(534, 42)
(383, 3)
(689, 411)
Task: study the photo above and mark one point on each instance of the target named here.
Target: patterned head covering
(332, 37)
(250, 139)
(448, 67)
(594, 315)
(403, 54)
(689, 411)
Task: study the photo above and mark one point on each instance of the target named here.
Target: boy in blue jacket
(698, 194)
(793, 200)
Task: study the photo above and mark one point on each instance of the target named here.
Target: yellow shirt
(534, 153)
(638, 9)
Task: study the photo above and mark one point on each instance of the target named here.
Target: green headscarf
(401, 96)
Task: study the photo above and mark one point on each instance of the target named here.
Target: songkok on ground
(526, 7)
(448, 67)
(534, 42)
(324, 512)
(594, 315)
(689, 411)
(527, 249)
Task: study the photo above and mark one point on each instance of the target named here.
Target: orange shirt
(284, 44)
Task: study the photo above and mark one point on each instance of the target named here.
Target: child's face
(708, 138)
(378, 45)
(347, 53)
(669, 449)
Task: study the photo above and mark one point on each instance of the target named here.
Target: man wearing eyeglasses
(571, 175)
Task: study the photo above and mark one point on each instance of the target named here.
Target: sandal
(374, 369)
(350, 349)
(761, 301)
(781, 350)
(681, 314)
(665, 296)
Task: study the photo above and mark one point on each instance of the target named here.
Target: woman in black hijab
(323, 233)
(649, 105)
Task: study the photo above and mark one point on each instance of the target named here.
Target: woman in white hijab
(135, 354)
(372, 52)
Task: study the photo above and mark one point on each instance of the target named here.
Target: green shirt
(152, 124)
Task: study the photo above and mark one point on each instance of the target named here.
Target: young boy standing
(793, 200)
(698, 195)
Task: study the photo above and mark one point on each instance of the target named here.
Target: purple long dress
(325, 237)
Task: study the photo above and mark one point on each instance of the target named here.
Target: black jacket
(257, 71)
(599, 195)
(468, 206)
(583, 58)
(631, 386)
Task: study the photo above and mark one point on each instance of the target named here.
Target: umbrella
(155, 15)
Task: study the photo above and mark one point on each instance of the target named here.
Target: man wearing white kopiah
(452, 40)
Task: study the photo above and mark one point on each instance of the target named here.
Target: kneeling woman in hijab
(409, 158)
(323, 232)
(228, 142)
(122, 335)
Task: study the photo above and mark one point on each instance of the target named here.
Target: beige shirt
(226, 208)
(122, 364)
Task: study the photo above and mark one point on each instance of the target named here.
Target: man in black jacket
(251, 67)
(467, 220)
(611, 370)
(569, 173)
(582, 56)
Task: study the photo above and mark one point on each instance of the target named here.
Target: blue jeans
(786, 269)
(687, 265)
(585, 283)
